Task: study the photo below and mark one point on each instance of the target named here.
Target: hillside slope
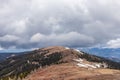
(72, 72)
(57, 62)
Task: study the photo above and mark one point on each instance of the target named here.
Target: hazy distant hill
(3, 56)
(110, 53)
(10, 53)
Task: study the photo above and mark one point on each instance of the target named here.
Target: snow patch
(67, 48)
(98, 65)
(78, 60)
(78, 51)
(86, 65)
(80, 63)
(13, 55)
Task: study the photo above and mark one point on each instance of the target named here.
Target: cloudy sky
(73, 23)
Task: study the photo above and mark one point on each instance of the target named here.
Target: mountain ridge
(22, 65)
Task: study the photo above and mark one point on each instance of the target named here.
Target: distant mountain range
(3, 56)
(45, 61)
(110, 53)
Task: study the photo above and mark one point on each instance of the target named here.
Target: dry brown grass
(69, 71)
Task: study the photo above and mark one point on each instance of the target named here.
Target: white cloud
(61, 22)
(69, 39)
(9, 38)
(37, 37)
(19, 27)
(1, 48)
(114, 43)
(12, 47)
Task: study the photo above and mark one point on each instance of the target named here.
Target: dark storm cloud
(40, 23)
